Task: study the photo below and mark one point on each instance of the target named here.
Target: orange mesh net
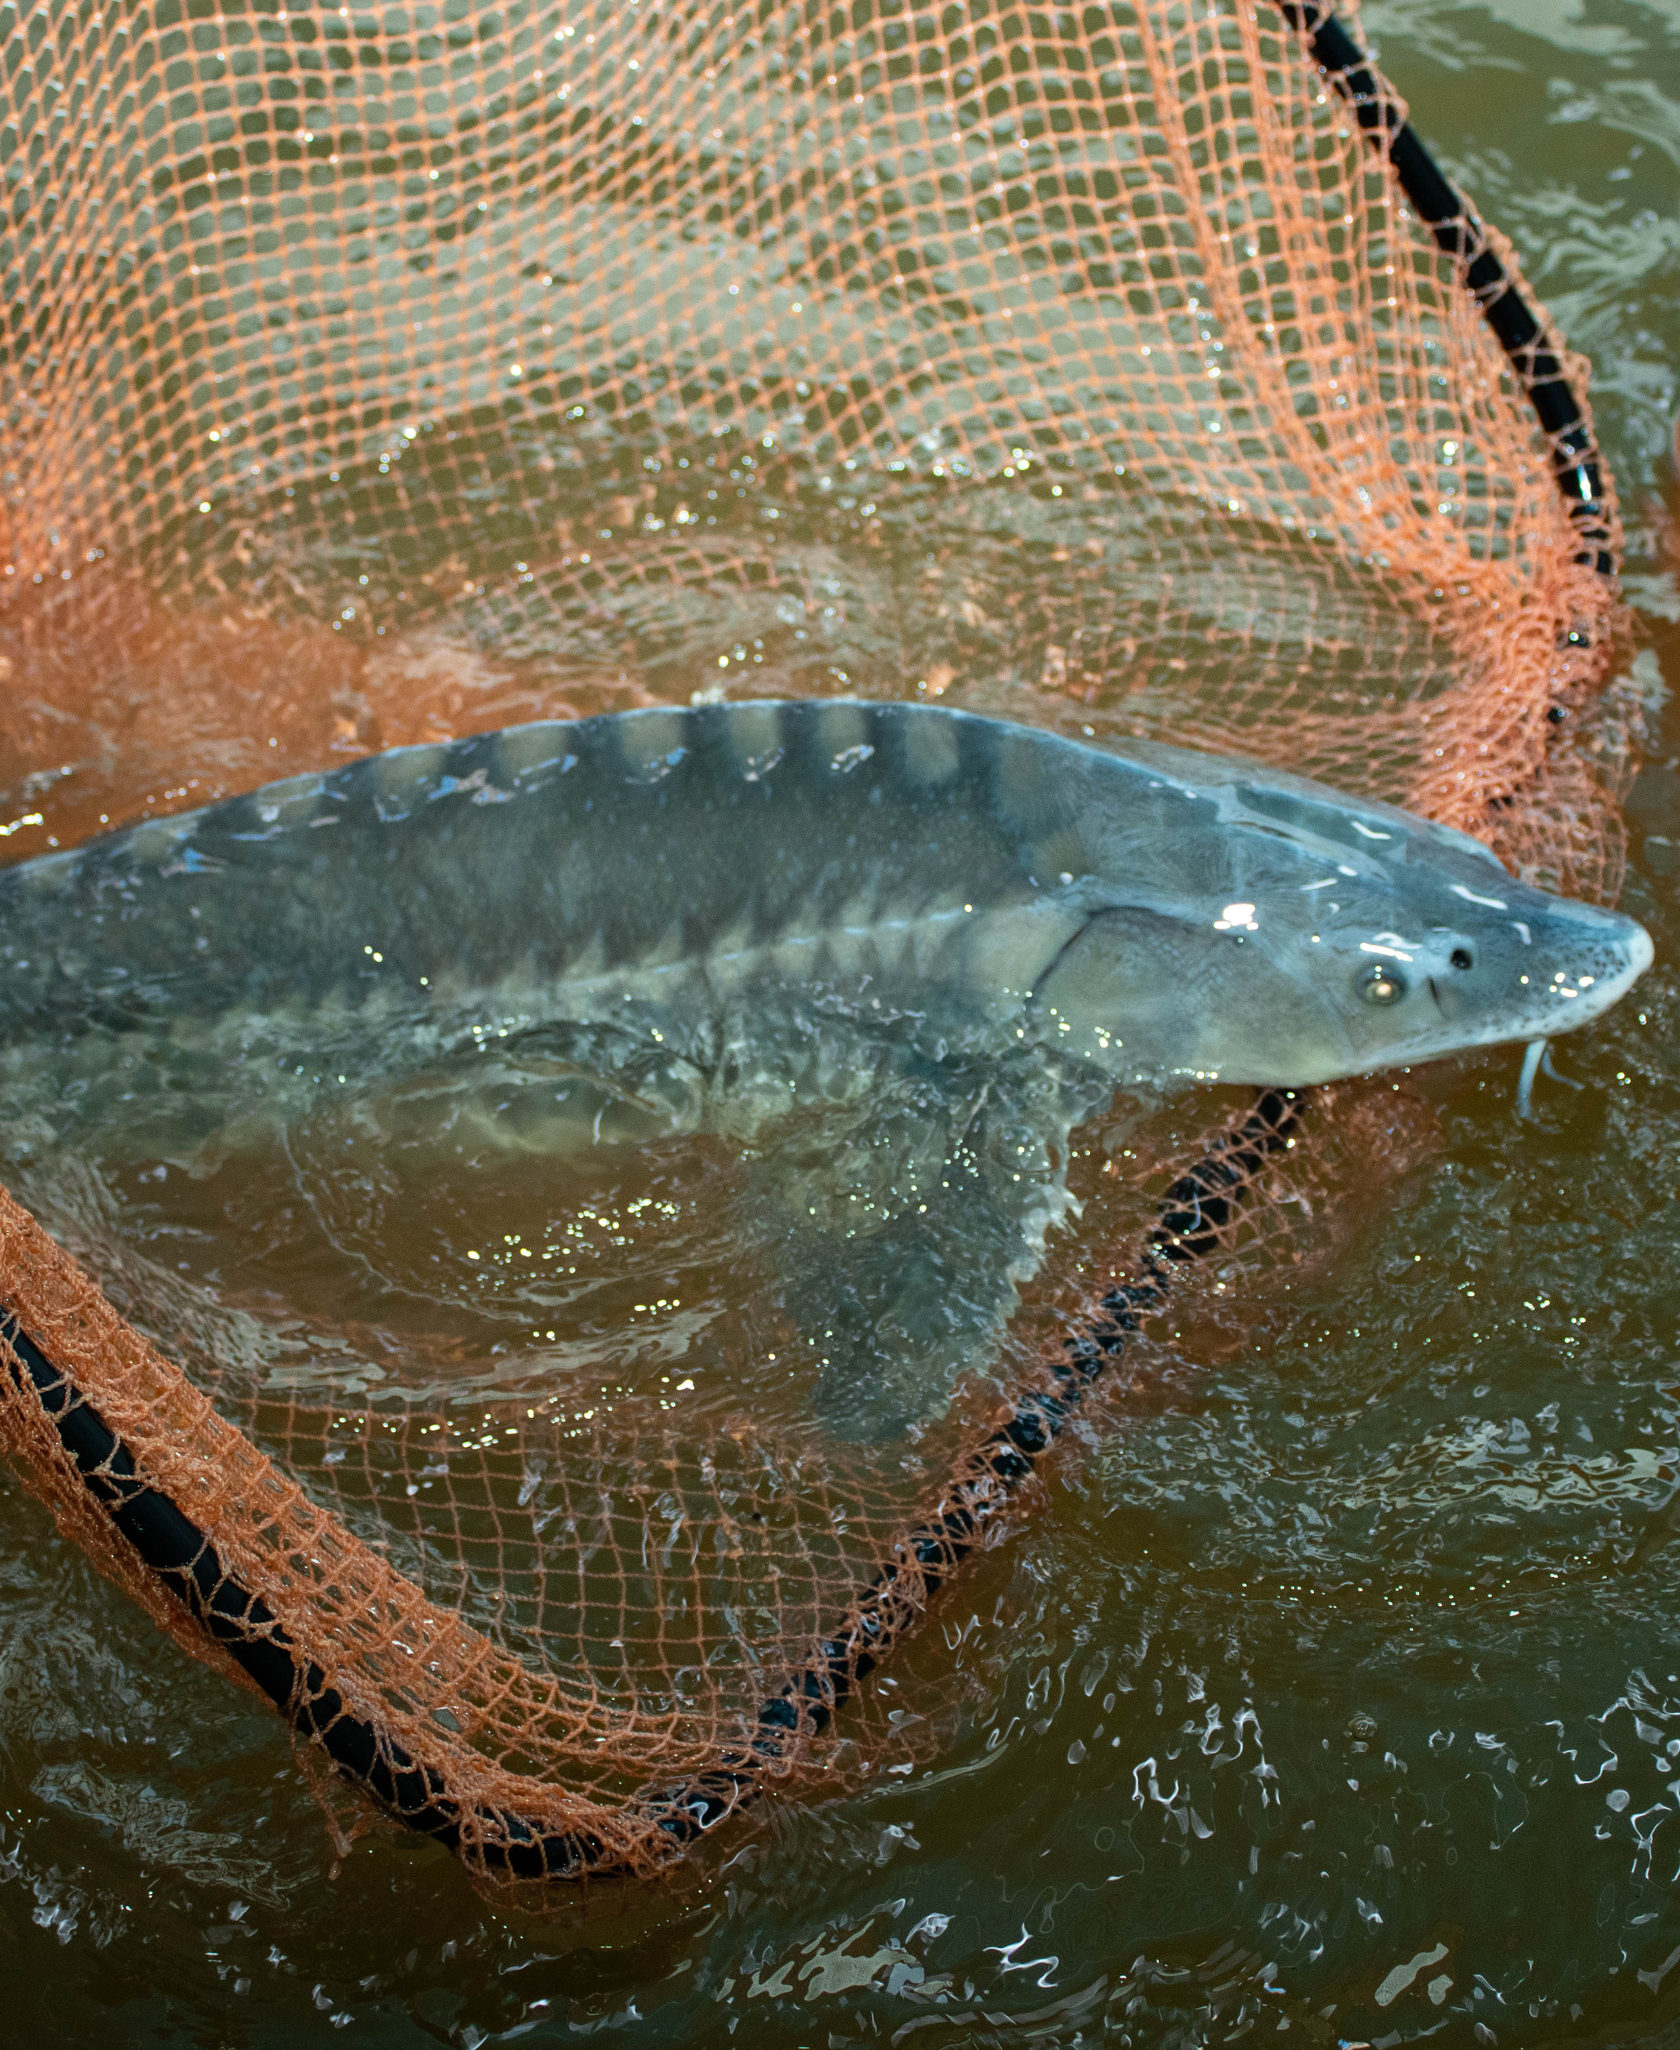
(376, 376)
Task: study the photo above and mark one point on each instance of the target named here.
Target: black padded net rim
(1529, 346)
(1192, 1221)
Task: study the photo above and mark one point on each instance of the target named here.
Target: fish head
(1296, 936)
(1537, 966)
(1432, 958)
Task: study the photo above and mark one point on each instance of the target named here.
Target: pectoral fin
(1127, 992)
(906, 1232)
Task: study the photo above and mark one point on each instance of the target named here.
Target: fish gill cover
(381, 376)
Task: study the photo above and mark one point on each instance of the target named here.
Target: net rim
(424, 1795)
(1529, 344)
(1193, 1218)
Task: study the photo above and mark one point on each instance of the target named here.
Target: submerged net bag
(377, 375)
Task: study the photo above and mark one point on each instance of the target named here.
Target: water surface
(1336, 1695)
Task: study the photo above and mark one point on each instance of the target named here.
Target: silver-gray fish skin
(965, 934)
(1166, 917)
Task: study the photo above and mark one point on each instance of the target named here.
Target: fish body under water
(971, 933)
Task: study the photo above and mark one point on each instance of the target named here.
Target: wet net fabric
(377, 376)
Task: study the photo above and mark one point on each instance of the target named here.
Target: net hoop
(56, 1427)
(1194, 1217)
(1529, 346)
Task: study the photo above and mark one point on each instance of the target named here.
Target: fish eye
(1380, 985)
(1462, 957)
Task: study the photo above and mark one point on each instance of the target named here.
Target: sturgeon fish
(959, 935)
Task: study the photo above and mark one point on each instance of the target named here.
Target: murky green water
(1357, 1651)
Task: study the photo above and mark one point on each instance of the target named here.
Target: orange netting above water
(375, 375)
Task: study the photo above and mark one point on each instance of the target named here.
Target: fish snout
(1586, 960)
